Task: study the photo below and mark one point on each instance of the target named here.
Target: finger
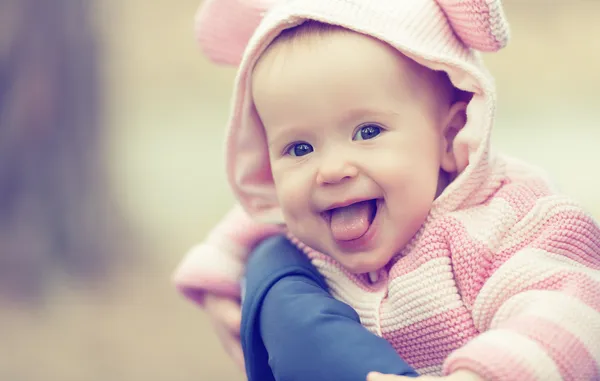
(238, 355)
(233, 348)
(376, 376)
(232, 317)
(224, 311)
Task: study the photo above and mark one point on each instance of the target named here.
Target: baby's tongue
(352, 221)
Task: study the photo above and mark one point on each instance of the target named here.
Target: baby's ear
(224, 27)
(479, 24)
(454, 122)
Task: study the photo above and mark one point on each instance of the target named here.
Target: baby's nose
(335, 169)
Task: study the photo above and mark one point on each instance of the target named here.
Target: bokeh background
(111, 128)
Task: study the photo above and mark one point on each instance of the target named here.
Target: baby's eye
(299, 149)
(367, 132)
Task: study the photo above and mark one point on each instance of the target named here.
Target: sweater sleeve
(217, 264)
(539, 310)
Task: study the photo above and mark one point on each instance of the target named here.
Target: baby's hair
(312, 30)
(307, 31)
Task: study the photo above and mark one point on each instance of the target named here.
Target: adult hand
(459, 375)
(226, 315)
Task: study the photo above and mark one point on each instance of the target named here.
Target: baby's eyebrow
(278, 141)
(367, 113)
(272, 143)
(283, 135)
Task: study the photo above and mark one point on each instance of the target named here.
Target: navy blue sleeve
(294, 330)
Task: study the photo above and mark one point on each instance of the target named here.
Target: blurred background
(111, 128)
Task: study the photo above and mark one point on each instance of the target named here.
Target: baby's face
(357, 141)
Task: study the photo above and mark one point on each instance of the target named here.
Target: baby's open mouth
(352, 221)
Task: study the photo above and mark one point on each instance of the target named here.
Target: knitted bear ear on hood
(224, 27)
(479, 24)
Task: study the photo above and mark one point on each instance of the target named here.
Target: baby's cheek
(294, 208)
(290, 199)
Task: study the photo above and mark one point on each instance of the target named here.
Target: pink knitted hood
(440, 34)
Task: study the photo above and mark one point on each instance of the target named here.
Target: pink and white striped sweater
(508, 286)
(504, 276)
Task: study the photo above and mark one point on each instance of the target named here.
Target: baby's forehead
(318, 43)
(301, 40)
(312, 40)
